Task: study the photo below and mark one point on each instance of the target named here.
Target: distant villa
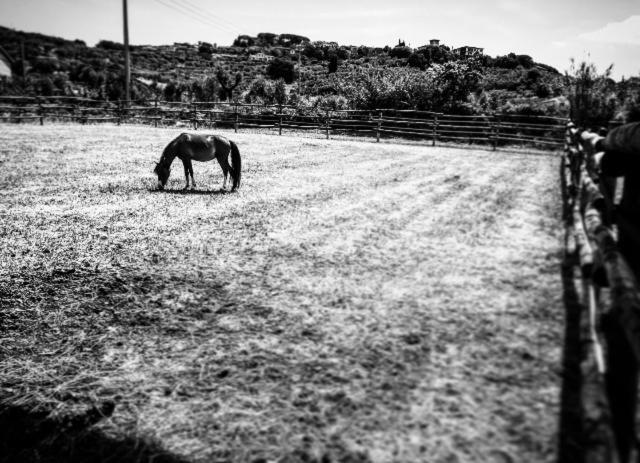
(468, 52)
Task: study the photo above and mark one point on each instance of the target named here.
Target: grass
(352, 302)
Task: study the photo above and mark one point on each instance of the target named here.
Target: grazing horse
(191, 147)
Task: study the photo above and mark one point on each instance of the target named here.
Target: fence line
(495, 130)
(609, 299)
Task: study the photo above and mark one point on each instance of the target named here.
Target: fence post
(40, 111)
(78, 109)
(327, 122)
(280, 119)
(379, 126)
(118, 112)
(495, 127)
(235, 125)
(155, 113)
(194, 111)
(435, 129)
(622, 385)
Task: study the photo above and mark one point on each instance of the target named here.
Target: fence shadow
(570, 448)
(29, 435)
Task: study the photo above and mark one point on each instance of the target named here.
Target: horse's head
(162, 170)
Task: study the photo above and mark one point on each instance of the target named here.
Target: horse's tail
(236, 163)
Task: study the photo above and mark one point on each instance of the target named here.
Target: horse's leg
(185, 163)
(224, 165)
(193, 181)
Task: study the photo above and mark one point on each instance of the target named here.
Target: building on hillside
(434, 42)
(260, 57)
(468, 52)
(5, 65)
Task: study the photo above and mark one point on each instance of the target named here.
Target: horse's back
(200, 147)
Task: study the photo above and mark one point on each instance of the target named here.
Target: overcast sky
(551, 31)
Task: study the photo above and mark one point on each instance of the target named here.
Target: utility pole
(127, 69)
(299, 67)
(23, 66)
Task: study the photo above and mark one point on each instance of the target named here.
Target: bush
(416, 60)
(44, 86)
(109, 45)
(45, 65)
(333, 64)
(205, 48)
(400, 52)
(280, 68)
(280, 92)
(592, 95)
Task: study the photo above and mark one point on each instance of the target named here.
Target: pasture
(351, 302)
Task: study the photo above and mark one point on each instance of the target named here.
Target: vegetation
(361, 327)
(593, 96)
(330, 76)
(281, 69)
(227, 84)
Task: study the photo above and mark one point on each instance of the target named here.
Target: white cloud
(623, 32)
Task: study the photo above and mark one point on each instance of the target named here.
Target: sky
(551, 31)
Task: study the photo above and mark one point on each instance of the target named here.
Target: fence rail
(495, 130)
(608, 296)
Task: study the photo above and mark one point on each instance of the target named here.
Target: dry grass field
(353, 302)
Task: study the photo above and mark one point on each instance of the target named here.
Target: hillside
(431, 77)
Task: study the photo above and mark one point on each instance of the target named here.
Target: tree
(109, 45)
(44, 86)
(205, 48)
(287, 40)
(416, 60)
(280, 92)
(436, 54)
(266, 39)
(225, 81)
(260, 91)
(454, 82)
(171, 92)
(313, 52)
(244, 41)
(197, 90)
(280, 68)
(400, 51)
(210, 88)
(333, 63)
(592, 95)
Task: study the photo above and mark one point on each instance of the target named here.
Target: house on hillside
(260, 57)
(468, 52)
(434, 42)
(5, 65)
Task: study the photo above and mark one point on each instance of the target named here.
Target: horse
(195, 147)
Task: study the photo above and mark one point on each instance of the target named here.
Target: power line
(210, 15)
(194, 10)
(189, 14)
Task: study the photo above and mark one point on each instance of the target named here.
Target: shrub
(280, 68)
(592, 95)
(109, 45)
(400, 52)
(333, 63)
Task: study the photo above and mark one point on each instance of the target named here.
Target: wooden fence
(495, 130)
(608, 304)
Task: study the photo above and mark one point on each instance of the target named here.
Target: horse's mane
(168, 154)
